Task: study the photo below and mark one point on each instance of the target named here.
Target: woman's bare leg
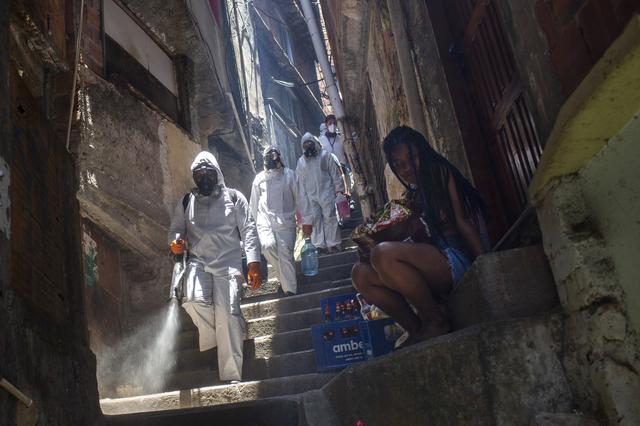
(416, 271)
(367, 282)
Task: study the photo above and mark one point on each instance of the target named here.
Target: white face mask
(331, 128)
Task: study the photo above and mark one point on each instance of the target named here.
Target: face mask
(310, 152)
(331, 128)
(272, 160)
(206, 181)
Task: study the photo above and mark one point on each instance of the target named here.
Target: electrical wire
(75, 74)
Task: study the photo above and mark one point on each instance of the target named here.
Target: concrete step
(290, 304)
(336, 272)
(282, 343)
(495, 373)
(303, 288)
(188, 337)
(195, 368)
(216, 395)
(509, 284)
(274, 324)
(281, 411)
(269, 288)
(346, 257)
(262, 346)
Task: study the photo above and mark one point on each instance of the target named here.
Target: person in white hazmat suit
(273, 206)
(331, 140)
(209, 223)
(319, 183)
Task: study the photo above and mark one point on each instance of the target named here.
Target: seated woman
(424, 271)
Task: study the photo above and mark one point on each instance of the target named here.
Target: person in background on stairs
(333, 143)
(209, 223)
(423, 273)
(273, 206)
(319, 183)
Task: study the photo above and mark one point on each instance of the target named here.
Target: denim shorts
(458, 263)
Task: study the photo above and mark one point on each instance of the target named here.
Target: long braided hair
(432, 177)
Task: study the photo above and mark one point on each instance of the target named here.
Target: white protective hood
(209, 159)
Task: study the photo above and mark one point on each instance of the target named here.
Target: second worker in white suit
(273, 206)
(319, 183)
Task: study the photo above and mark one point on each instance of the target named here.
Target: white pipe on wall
(321, 54)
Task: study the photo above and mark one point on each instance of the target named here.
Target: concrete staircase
(278, 350)
(501, 365)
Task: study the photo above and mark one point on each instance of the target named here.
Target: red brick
(93, 33)
(571, 58)
(565, 10)
(599, 26)
(546, 20)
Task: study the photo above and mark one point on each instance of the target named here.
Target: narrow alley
(319, 212)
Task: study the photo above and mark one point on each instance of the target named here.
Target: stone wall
(587, 207)
(601, 355)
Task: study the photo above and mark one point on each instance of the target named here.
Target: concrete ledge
(501, 373)
(215, 395)
(281, 411)
(510, 284)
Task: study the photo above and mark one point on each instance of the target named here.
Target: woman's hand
(253, 276)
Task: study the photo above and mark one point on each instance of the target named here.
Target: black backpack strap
(233, 194)
(185, 201)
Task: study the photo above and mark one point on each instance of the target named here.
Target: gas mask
(331, 129)
(272, 160)
(310, 149)
(206, 179)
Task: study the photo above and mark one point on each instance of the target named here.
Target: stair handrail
(15, 392)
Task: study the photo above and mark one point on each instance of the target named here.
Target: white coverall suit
(273, 206)
(212, 226)
(319, 179)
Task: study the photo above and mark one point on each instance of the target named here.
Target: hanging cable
(75, 74)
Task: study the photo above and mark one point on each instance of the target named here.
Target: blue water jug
(309, 259)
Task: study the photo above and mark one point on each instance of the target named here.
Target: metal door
(498, 95)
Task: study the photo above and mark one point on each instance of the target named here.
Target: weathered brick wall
(92, 47)
(579, 31)
(43, 339)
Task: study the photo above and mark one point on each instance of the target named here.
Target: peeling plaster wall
(131, 154)
(134, 166)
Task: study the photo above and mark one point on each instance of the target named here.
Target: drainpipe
(365, 194)
(409, 82)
